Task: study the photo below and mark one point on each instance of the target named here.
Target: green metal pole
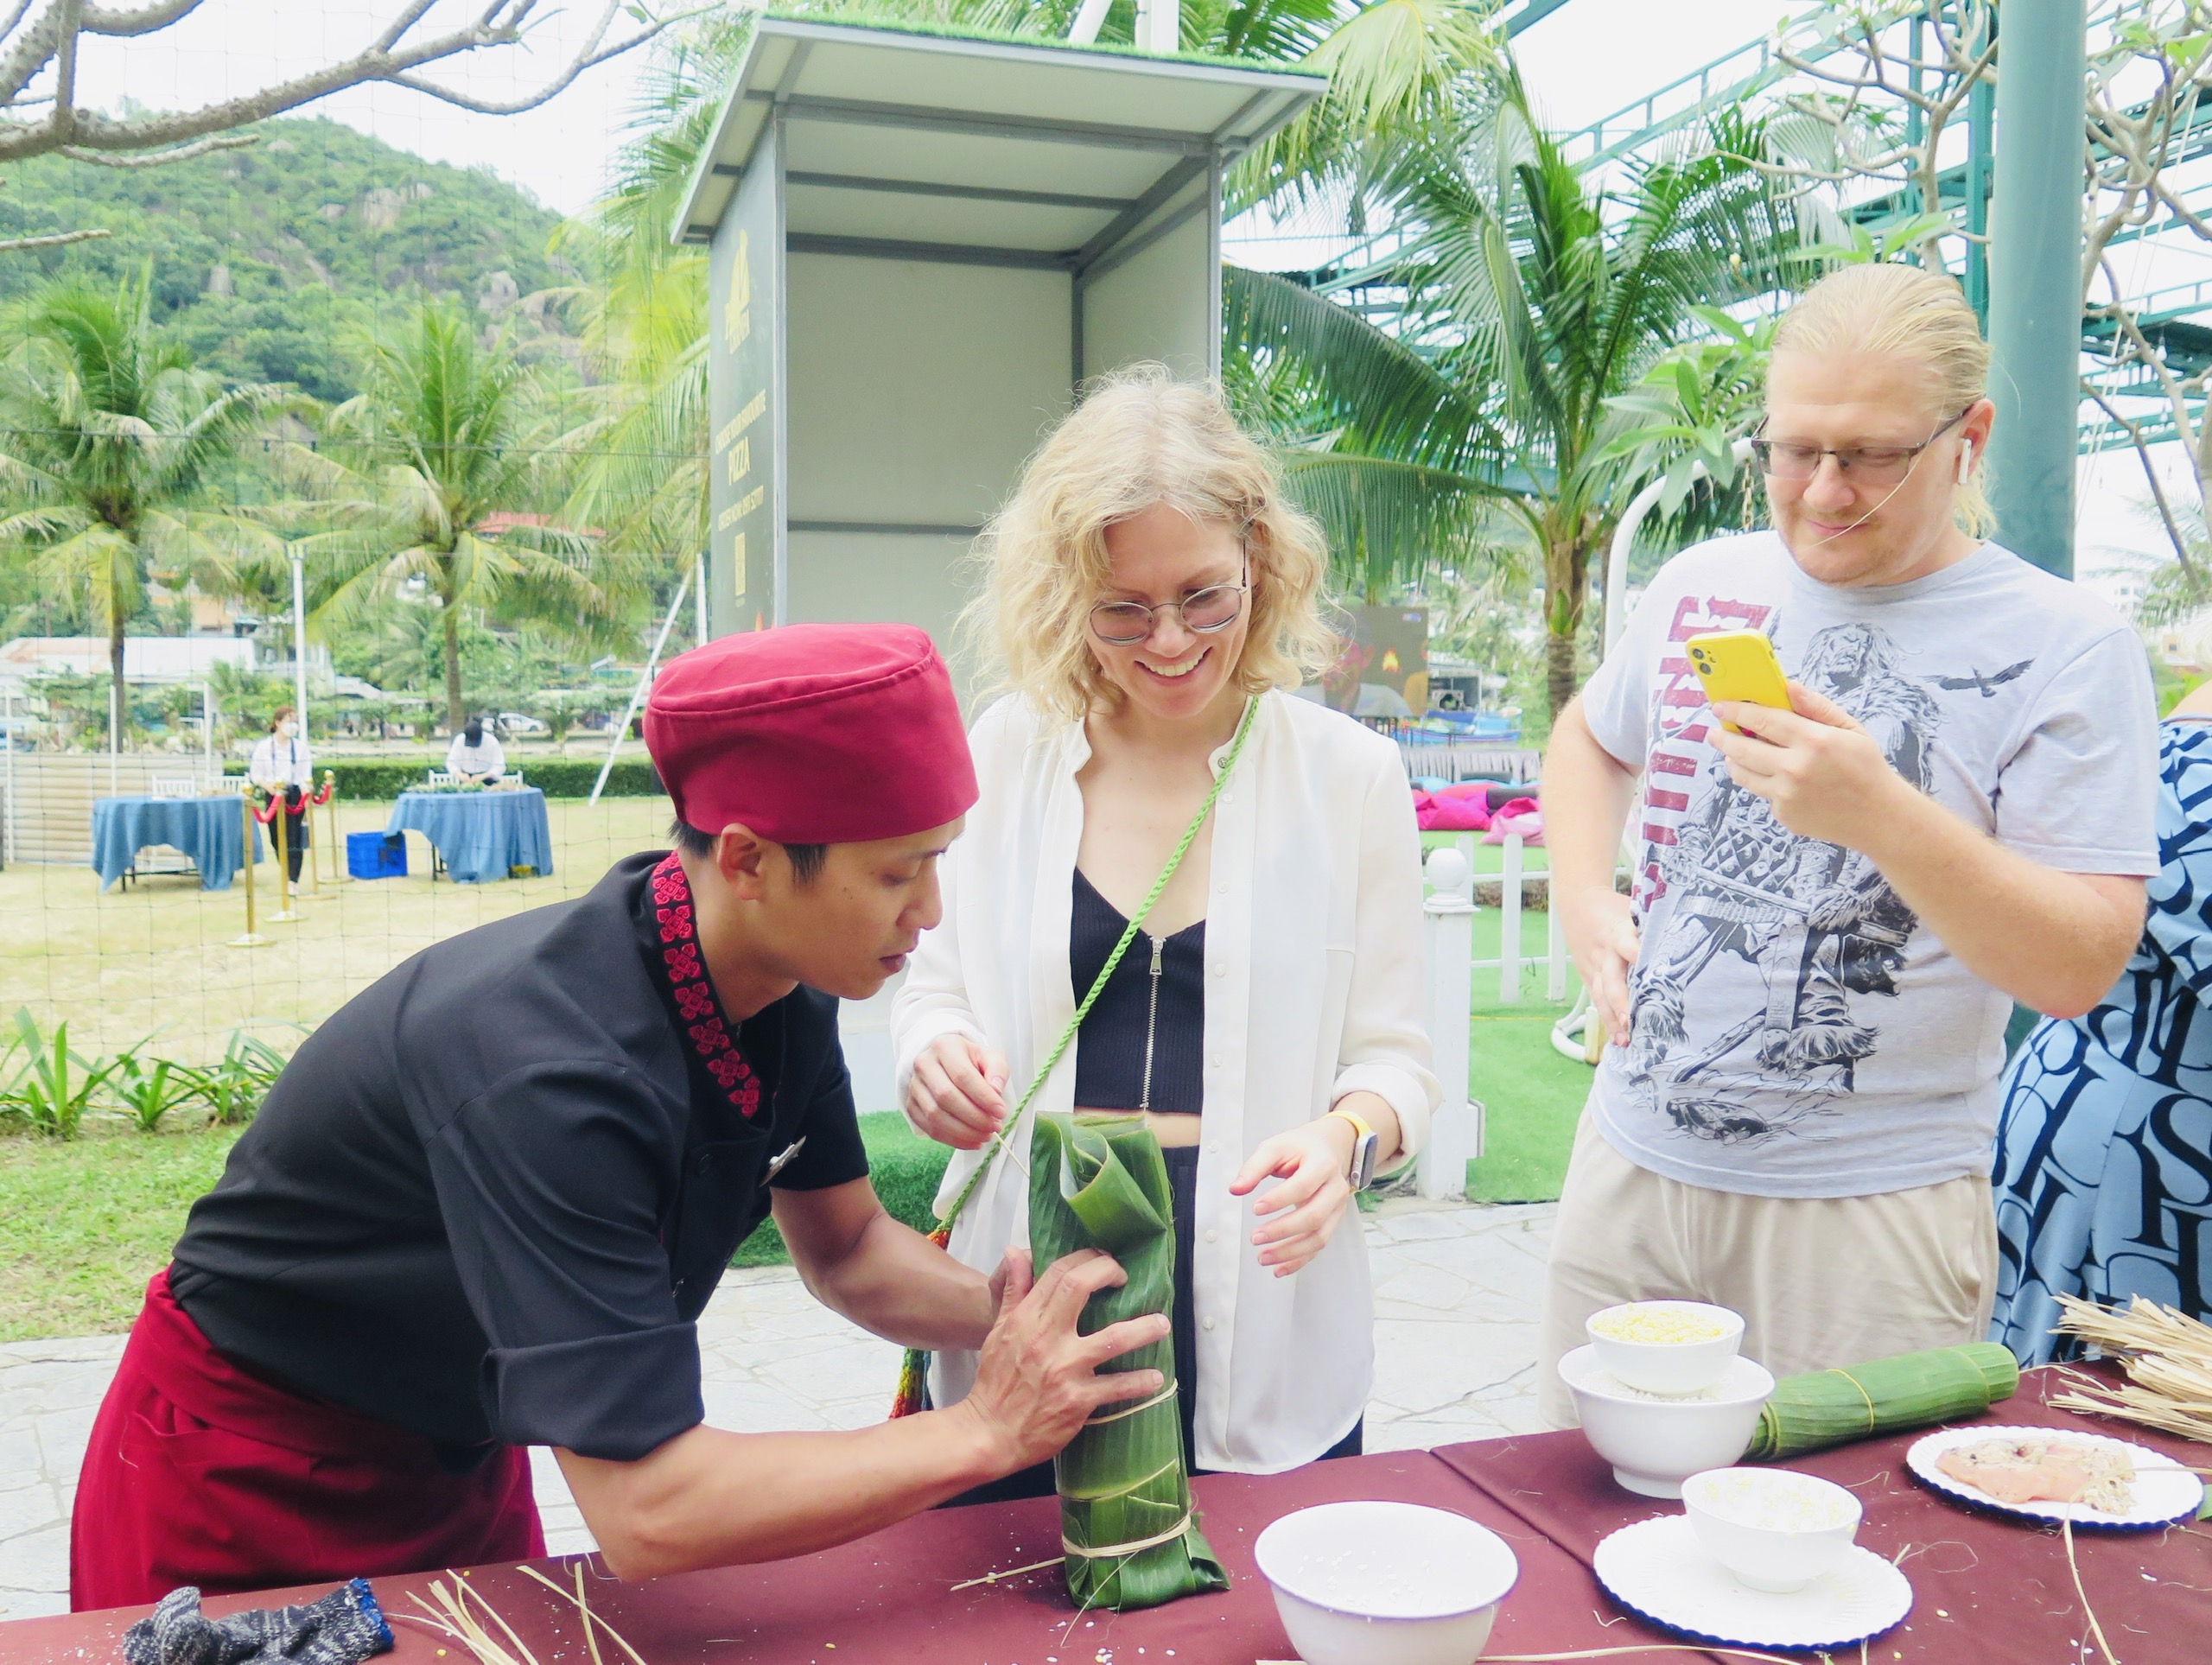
(1981, 109)
(2035, 293)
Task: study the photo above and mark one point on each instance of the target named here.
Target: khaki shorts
(1820, 1281)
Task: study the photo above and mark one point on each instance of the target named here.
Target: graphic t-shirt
(1795, 1031)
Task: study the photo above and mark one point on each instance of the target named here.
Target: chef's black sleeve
(549, 1182)
(833, 1153)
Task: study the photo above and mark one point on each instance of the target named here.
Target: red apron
(200, 1473)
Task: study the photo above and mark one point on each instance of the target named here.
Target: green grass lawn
(1533, 1096)
(83, 1224)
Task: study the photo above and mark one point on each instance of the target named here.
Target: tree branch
(162, 158)
(16, 244)
(51, 37)
(2150, 474)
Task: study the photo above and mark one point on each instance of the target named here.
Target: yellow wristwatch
(1362, 1172)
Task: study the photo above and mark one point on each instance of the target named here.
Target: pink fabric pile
(1465, 808)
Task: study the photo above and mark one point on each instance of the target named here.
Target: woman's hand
(1313, 1162)
(956, 1094)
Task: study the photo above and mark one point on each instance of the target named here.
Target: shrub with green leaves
(54, 1086)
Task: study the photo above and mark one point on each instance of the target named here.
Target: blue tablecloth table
(480, 836)
(209, 831)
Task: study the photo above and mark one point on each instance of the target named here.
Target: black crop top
(1125, 1025)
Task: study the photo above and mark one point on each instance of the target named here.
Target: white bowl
(1669, 1367)
(1385, 1584)
(1655, 1442)
(1773, 1528)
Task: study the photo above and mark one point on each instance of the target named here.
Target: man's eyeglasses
(1203, 612)
(1873, 465)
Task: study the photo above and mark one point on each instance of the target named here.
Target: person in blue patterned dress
(2104, 1156)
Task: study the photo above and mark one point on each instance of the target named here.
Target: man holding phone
(1834, 906)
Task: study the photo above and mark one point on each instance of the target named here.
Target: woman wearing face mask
(474, 756)
(1150, 594)
(282, 763)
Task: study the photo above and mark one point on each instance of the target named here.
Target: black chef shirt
(488, 1199)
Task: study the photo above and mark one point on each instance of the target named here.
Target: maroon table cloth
(1985, 1586)
(1985, 1589)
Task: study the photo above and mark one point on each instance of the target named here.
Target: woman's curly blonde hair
(1140, 438)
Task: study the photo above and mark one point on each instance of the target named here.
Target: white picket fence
(1510, 961)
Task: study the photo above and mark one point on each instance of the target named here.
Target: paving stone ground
(1456, 1291)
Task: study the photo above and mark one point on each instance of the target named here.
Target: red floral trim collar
(696, 1003)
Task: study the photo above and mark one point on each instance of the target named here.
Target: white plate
(1659, 1571)
(2165, 1490)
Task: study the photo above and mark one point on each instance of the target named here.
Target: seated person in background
(475, 758)
(2105, 1147)
(1834, 910)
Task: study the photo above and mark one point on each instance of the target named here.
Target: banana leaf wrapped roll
(1911, 1390)
(1126, 1522)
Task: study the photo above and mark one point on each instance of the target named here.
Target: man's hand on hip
(1825, 775)
(1600, 930)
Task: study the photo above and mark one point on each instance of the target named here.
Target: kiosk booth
(921, 244)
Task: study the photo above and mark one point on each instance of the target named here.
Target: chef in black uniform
(487, 1200)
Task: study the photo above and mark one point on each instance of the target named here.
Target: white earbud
(1966, 460)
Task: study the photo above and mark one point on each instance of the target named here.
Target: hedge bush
(555, 776)
(906, 1168)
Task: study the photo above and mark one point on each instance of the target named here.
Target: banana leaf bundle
(1126, 1520)
(1911, 1390)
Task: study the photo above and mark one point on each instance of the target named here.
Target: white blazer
(1313, 956)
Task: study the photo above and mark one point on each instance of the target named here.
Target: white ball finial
(1449, 872)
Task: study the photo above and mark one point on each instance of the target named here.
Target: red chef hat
(812, 734)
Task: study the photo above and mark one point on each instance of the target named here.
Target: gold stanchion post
(338, 873)
(284, 916)
(252, 937)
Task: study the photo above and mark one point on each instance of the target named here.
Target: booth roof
(1012, 150)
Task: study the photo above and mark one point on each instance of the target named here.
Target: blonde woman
(1834, 910)
(1148, 589)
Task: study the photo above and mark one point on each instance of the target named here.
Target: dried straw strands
(2166, 1354)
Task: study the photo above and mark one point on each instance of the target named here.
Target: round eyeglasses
(1875, 465)
(1203, 612)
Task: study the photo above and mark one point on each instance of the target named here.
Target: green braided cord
(1189, 834)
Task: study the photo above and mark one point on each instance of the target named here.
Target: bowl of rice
(1655, 1441)
(1666, 1346)
(1773, 1528)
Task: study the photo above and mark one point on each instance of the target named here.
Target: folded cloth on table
(1911, 1390)
(344, 1628)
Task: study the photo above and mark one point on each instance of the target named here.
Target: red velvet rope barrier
(267, 813)
(322, 796)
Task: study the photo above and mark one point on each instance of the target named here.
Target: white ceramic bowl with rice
(1385, 1584)
(1773, 1529)
(1666, 1346)
(1655, 1441)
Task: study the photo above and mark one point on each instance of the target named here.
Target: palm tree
(1532, 301)
(427, 485)
(110, 444)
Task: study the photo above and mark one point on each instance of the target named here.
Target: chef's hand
(1313, 1163)
(956, 1094)
(1038, 1382)
(1601, 936)
(1825, 775)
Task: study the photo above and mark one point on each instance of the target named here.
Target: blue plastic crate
(376, 854)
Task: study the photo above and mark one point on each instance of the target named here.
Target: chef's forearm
(883, 1275)
(712, 1499)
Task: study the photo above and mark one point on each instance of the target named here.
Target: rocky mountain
(264, 257)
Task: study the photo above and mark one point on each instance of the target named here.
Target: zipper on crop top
(1152, 1021)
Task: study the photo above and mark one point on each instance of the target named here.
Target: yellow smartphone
(1739, 665)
